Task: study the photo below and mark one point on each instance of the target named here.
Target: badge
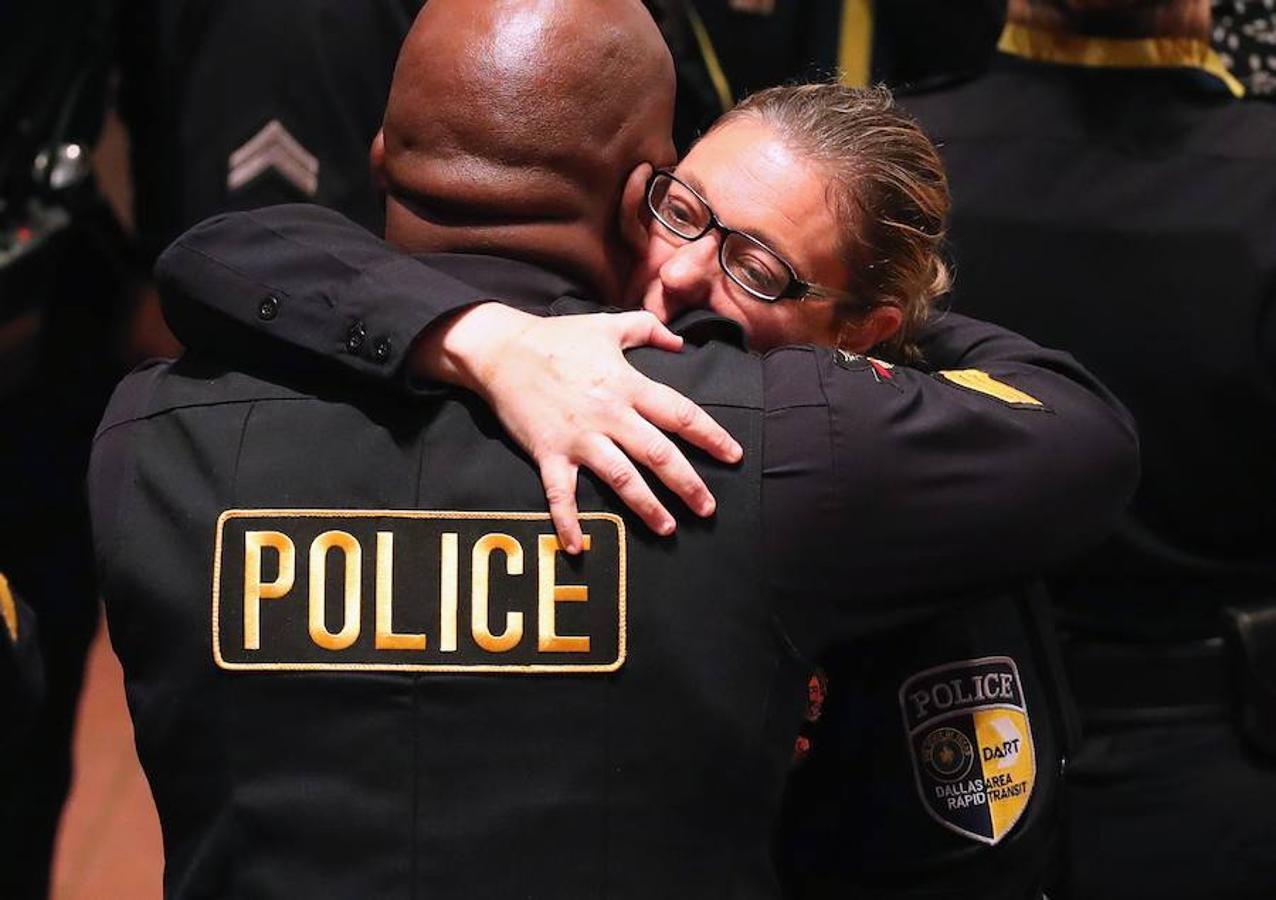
(970, 741)
(981, 382)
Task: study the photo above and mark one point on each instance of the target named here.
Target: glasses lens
(754, 267)
(677, 208)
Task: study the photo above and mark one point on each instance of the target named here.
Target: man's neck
(569, 249)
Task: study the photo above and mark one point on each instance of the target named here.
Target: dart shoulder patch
(970, 741)
(980, 382)
(416, 591)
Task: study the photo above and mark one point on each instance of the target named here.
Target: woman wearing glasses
(824, 208)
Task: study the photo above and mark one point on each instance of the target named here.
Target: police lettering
(962, 692)
(492, 556)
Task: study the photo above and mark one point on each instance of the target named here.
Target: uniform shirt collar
(1042, 46)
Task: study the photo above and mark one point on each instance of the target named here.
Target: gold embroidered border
(533, 669)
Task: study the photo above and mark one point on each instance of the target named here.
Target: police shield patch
(971, 744)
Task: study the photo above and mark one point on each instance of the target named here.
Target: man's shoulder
(1153, 113)
(715, 366)
(163, 386)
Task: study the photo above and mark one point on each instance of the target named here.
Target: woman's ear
(633, 208)
(877, 325)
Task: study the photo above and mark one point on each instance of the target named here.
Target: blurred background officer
(63, 269)
(1112, 196)
(240, 104)
(728, 49)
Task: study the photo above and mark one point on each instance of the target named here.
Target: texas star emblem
(971, 745)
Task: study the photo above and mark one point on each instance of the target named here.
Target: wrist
(462, 349)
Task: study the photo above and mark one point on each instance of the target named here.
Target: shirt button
(268, 309)
(381, 352)
(355, 337)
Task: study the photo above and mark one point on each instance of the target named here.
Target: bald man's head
(513, 125)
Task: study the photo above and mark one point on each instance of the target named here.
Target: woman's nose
(688, 275)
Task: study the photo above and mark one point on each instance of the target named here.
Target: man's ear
(879, 324)
(633, 209)
(376, 158)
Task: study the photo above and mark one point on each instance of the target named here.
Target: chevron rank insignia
(981, 382)
(971, 745)
(274, 148)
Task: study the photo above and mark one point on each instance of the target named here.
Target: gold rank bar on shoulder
(416, 591)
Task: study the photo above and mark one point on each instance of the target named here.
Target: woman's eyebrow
(756, 233)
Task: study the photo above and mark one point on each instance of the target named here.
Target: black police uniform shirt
(1137, 207)
(694, 711)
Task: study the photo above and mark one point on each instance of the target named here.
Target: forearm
(308, 278)
(919, 483)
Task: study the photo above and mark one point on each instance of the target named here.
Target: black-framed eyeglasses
(749, 263)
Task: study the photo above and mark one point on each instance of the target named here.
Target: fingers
(604, 459)
(667, 409)
(642, 329)
(651, 447)
(559, 480)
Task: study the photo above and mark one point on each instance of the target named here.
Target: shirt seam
(186, 247)
(168, 409)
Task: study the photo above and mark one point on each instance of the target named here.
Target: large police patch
(971, 745)
(384, 590)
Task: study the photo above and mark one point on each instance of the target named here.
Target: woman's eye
(755, 273)
(678, 213)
